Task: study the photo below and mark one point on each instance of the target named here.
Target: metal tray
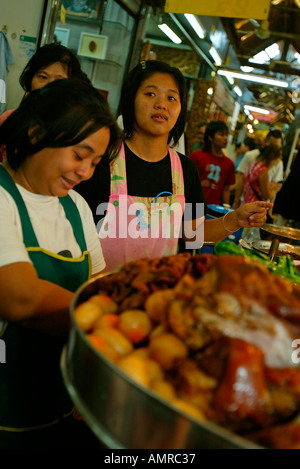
(283, 248)
(124, 415)
(283, 233)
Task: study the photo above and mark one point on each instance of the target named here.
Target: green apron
(32, 393)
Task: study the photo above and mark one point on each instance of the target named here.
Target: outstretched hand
(253, 214)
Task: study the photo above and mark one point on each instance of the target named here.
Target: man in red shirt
(216, 170)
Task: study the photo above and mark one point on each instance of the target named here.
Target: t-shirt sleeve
(194, 156)
(276, 172)
(90, 233)
(15, 250)
(243, 164)
(194, 196)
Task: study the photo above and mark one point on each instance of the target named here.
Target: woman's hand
(253, 214)
(249, 215)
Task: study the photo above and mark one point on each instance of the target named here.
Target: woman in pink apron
(155, 195)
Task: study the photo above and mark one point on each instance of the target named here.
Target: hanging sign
(27, 46)
(63, 15)
(233, 9)
(265, 117)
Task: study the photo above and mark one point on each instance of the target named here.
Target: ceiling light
(210, 91)
(257, 109)
(196, 25)
(260, 58)
(168, 31)
(273, 50)
(213, 52)
(231, 80)
(238, 90)
(255, 78)
(246, 69)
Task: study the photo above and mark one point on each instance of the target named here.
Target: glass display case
(100, 33)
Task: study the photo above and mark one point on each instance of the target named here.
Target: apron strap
(177, 173)
(72, 214)
(118, 181)
(9, 185)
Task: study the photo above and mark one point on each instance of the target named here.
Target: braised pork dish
(216, 336)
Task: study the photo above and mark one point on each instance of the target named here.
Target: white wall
(21, 17)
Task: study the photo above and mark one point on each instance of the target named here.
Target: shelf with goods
(105, 73)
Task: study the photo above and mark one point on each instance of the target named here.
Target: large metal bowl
(124, 415)
(284, 234)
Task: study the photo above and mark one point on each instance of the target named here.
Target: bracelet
(223, 219)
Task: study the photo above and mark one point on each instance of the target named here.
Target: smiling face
(157, 105)
(55, 171)
(55, 71)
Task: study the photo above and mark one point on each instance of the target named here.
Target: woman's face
(53, 72)
(55, 171)
(157, 105)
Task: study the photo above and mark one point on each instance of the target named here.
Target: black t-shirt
(144, 179)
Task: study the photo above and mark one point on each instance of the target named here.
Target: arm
(263, 182)
(238, 190)
(31, 301)
(226, 195)
(249, 215)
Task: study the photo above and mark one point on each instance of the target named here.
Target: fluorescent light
(273, 50)
(260, 58)
(255, 78)
(168, 31)
(246, 69)
(238, 90)
(213, 52)
(257, 109)
(196, 25)
(231, 80)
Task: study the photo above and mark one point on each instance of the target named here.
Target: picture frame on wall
(93, 46)
(62, 35)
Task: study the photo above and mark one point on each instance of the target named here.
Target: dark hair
(133, 82)
(250, 142)
(212, 128)
(61, 114)
(276, 133)
(269, 154)
(46, 56)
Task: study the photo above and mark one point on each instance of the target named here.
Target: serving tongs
(280, 234)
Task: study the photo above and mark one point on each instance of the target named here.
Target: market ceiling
(247, 37)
